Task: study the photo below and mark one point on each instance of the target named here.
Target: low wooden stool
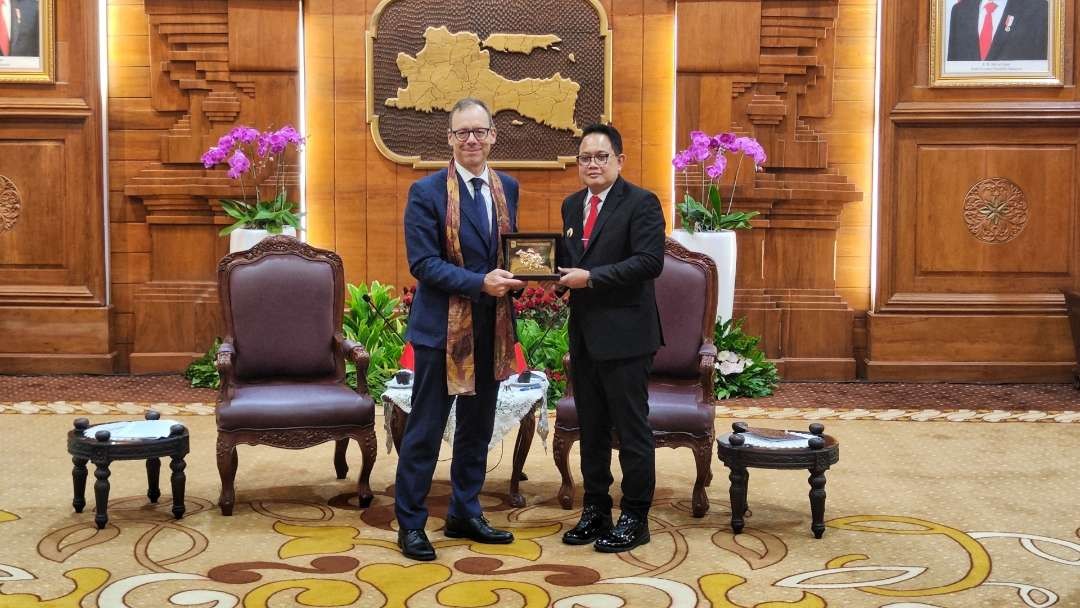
(775, 449)
(102, 449)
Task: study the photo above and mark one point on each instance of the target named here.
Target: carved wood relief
(995, 210)
(10, 203)
(780, 84)
(210, 66)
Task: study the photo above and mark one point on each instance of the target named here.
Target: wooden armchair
(282, 362)
(681, 382)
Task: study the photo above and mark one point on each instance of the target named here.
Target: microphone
(386, 322)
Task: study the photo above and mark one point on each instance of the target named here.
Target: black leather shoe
(594, 523)
(631, 531)
(478, 529)
(415, 545)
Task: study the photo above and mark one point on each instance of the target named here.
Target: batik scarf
(460, 364)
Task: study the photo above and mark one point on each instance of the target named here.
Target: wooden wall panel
(54, 316)
(774, 79)
(950, 305)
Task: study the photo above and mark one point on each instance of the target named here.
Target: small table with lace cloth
(520, 404)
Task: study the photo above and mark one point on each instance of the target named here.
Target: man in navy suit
(19, 21)
(998, 30)
(458, 280)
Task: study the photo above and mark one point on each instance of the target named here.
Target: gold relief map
(543, 76)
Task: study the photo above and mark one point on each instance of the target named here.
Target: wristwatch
(589, 283)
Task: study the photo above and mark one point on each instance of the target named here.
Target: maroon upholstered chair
(282, 362)
(681, 382)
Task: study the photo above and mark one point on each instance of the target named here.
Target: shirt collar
(467, 175)
(602, 195)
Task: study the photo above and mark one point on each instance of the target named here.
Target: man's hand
(574, 278)
(499, 281)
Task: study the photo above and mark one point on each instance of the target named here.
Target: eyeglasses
(601, 159)
(462, 135)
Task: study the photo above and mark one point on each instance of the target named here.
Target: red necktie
(986, 34)
(4, 46)
(590, 220)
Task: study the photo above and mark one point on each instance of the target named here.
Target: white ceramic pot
(720, 246)
(243, 239)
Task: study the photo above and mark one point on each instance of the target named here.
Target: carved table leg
(521, 452)
(737, 493)
(153, 471)
(817, 501)
(101, 494)
(560, 450)
(78, 478)
(341, 466)
(178, 481)
(398, 420)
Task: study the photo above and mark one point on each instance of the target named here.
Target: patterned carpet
(921, 513)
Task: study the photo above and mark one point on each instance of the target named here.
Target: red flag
(406, 361)
(519, 358)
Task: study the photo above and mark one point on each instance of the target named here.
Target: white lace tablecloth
(514, 402)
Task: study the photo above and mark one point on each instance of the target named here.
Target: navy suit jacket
(425, 243)
(1026, 38)
(25, 34)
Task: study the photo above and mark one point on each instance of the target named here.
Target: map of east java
(452, 66)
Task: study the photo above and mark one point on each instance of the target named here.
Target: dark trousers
(615, 395)
(427, 421)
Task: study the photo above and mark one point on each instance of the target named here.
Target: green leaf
(714, 198)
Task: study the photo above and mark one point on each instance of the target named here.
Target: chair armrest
(706, 369)
(355, 352)
(224, 365)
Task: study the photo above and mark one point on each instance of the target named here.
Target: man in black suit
(20, 36)
(998, 30)
(612, 250)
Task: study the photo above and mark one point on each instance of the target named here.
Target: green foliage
(545, 352)
(272, 215)
(752, 375)
(384, 344)
(695, 216)
(202, 372)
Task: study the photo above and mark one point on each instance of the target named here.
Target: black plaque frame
(548, 242)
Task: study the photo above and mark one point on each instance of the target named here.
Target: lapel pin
(569, 232)
(1009, 23)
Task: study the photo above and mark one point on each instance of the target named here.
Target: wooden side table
(102, 449)
(774, 449)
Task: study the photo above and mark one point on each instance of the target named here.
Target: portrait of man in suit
(20, 34)
(998, 30)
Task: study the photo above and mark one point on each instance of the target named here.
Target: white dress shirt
(485, 191)
(588, 197)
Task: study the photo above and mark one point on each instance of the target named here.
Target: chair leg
(368, 450)
(703, 457)
(340, 464)
(398, 419)
(561, 451)
(226, 462)
(521, 452)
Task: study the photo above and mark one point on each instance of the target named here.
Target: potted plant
(706, 226)
(251, 153)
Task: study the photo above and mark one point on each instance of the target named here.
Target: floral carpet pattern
(923, 511)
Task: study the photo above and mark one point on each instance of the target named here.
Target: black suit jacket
(1025, 38)
(617, 317)
(25, 34)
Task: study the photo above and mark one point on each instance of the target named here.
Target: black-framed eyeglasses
(601, 159)
(462, 135)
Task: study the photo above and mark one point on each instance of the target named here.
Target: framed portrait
(531, 255)
(997, 43)
(27, 40)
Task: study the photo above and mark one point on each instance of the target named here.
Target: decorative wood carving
(995, 210)
(778, 98)
(10, 203)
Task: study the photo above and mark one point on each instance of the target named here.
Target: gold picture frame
(1026, 47)
(31, 48)
(531, 255)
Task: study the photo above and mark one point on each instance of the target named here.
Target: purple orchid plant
(703, 164)
(248, 152)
